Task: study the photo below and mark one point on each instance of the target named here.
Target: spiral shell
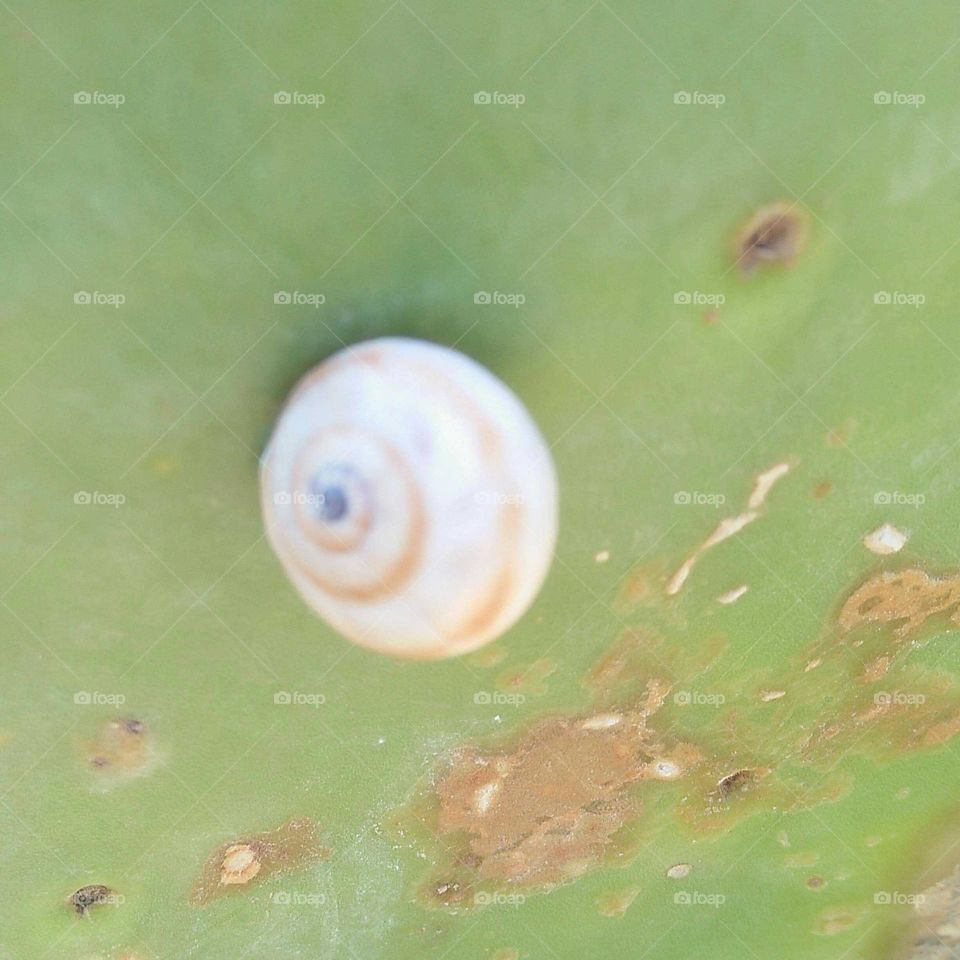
(410, 498)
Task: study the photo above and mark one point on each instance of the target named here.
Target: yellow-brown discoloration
(614, 905)
(529, 679)
(235, 865)
(776, 233)
(907, 598)
(121, 748)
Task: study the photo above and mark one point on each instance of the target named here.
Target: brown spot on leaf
(544, 808)
(907, 597)
(237, 864)
(776, 233)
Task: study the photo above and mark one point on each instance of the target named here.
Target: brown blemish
(776, 233)
(529, 679)
(505, 953)
(490, 656)
(815, 882)
(840, 436)
(822, 489)
(538, 811)
(240, 863)
(92, 895)
(907, 597)
(614, 905)
(835, 920)
(122, 747)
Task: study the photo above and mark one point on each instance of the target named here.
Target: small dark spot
(134, 726)
(99, 762)
(822, 489)
(815, 882)
(774, 234)
(92, 895)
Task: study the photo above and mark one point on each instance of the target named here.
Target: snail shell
(410, 498)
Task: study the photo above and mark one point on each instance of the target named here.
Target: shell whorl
(410, 498)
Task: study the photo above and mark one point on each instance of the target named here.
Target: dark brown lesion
(238, 863)
(776, 233)
(90, 896)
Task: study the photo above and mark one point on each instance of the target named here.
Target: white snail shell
(410, 498)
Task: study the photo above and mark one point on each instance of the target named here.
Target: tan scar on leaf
(236, 864)
(546, 808)
(906, 597)
(730, 526)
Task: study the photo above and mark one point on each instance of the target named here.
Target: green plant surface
(599, 199)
